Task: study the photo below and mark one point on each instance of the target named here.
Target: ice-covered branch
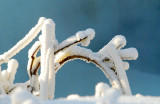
(33, 66)
(119, 68)
(111, 59)
(82, 37)
(104, 60)
(77, 52)
(47, 76)
(22, 43)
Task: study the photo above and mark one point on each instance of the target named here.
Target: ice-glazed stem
(44, 84)
(82, 37)
(53, 44)
(33, 66)
(119, 41)
(51, 74)
(47, 39)
(77, 52)
(128, 54)
(32, 57)
(22, 43)
(119, 68)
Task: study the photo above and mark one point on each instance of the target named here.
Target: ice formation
(111, 59)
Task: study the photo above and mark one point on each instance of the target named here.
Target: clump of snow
(128, 54)
(125, 65)
(101, 89)
(119, 41)
(20, 96)
(73, 96)
(89, 33)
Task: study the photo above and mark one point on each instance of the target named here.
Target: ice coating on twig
(128, 54)
(33, 66)
(33, 60)
(47, 38)
(87, 55)
(51, 88)
(89, 33)
(45, 81)
(119, 41)
(119, 69)
(82, 37)
(22, 43)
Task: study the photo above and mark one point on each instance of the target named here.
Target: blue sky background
(137, 20)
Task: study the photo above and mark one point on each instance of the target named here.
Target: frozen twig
(22, 43)
(47, 41)
(33, 66)
(77, 52)
(119, 69)
(82, 37)
(103, 60)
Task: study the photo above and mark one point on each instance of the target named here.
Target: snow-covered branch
(111, 59)
(22, 43)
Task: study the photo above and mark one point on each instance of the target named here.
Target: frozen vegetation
(40, 88)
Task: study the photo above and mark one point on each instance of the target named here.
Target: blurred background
(137, 20)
